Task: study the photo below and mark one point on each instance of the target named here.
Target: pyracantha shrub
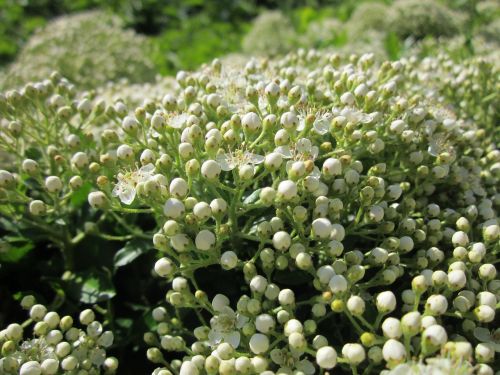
(89, 49)
(418, 19)
(368, 16)
(56, 345)
(312, 212)
(322, 33)
(271, 34)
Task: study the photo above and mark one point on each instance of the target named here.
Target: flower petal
(232, 338)
(127, 194)
(284, 151)
(254, 158)
(226, 162)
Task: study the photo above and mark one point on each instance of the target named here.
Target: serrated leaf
(94, 286)
(131, 251)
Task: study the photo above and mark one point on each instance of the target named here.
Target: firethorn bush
(89, 48)
(310, 213)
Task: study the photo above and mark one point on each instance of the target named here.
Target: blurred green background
(186, 33)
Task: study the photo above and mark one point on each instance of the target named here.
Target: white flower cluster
(271, 34)
(417, 19)
(347, 210)
(89, 49)
(56, 346)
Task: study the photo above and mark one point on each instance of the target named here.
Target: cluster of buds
(88, 48)
(56, 345)
(356, 219)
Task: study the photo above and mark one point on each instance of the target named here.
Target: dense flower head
(417, 19)
(56, 344)
(258, 40)
(347, 209)
(89, 48)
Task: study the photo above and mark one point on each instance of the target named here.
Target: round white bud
(354, 353)
(386, 302)
(163, 267)
(259, 343)
(53, 184)
(326, 357)
(210, 169)
(205, 240)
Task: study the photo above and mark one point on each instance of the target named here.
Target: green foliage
(194, 42)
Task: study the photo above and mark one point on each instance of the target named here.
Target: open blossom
(290, 361)
(177, 121)
(237, 158)
(351, 114)
(322, 123)
(302, 150)
(225, 326)
(125, 188)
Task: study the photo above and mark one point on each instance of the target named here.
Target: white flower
(237, 158)
(177, 121)
(300, 151)
(290, 361)
(224, 327)
(322, 123)
(355, 116)
(125, 188)
(303, 150)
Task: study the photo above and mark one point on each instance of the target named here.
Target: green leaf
(131, 251)
(79, 197)
(94, 286)
(124, 322)
(482, 334)
(393, 46)
(13, 254)
(252, 198)
(33, 153)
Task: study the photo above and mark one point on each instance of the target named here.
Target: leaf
(252, 198)
(124, 322)
(482, 334)
(393, 46)
(12, 254)
(79, 197)
(131, 251)
(94, 286)
(33, 153)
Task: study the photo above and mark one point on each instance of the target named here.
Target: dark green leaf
(132, 250)
(94, 286)
(13, 254)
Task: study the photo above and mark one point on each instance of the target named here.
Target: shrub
(368, 16)
(418, 19)
(309, 212)
(89, 49)
(322, 33)
(271, 34)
